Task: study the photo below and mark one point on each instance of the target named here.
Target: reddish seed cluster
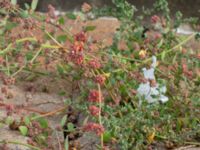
(5, 4)
(4, 90)
(94, 127)
(155, 19)
(77, 58)
(77, 48)
(29, 23)
(51, 13)
(186, 72)
(157, 36)
(86, 7)
(9, 109)
(31, 142)
(36, 130)
(8, 81)
(4, 147)
(173, 68)
(94, 96)
(100, 79)
(106, 148)
(147, 41)
(1, 60)
(138, 77)
(133, 91)
(198, 56)
(94, 64)
(80, 37)
(94, 111)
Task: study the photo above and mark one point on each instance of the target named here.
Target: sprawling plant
(129, 100)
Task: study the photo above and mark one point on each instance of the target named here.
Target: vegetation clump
(116, 87)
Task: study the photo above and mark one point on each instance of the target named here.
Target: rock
(40, 101)
(89, 141)
(190, 147)
(14, 136)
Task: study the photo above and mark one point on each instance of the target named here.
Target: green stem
(50, 46)
(31, 39)
(167, 51)
(32, 60)
(173, 48)
(7, 66)
(36, 55)
(122, 57)
(6, 49)
(193, 143)
(2, 52)
(54, 39)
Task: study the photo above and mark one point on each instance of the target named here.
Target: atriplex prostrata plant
(107, 78)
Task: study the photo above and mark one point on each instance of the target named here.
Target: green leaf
(61, 38)
(10, 25)
(174, 58)
(3, 12)
(27, 120)
(34, 4)
(163, 55)
(63, 121)
(60, 69)
(14, 2)
(27, 6)
(61, 20)
(71, 16)
(43, 122)
(24, 14)
(70, 127)
(1, 125)
(197, 36)
(29, 56)
(66, 143)
(61, 93)
(23, 130)
(67, 101)
(107, 136)
(160, 43)
(89, 28)
(9, 120)
(40, 139)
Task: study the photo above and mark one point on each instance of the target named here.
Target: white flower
(148, 73)
(152, 94)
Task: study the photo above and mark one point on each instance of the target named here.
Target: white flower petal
(163, 98)
(163, 89)
(149, 73)
(154, 91)
(144, 89)
(154, 61)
